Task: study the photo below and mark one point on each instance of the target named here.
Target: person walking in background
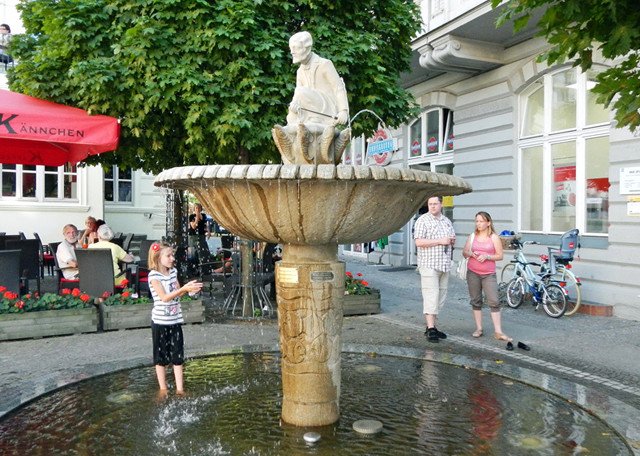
(66, 255)
(5, 39)
(166, 316)
(434, 237)
(198, 233)
(483, 249)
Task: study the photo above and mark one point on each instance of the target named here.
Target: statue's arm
(339, 91)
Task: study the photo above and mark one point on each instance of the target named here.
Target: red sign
(415, 148)
(382, 158)
(432, 144)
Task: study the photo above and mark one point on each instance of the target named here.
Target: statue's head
(300, 45)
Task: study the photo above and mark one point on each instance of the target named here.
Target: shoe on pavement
(441, 335)
(432, 335)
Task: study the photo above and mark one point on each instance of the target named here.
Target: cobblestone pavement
(590, 356)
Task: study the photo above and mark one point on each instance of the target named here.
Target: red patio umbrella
(38, 132)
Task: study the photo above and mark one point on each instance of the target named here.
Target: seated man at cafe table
(65, 253)
(105, 234)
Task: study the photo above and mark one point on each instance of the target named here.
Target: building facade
(541, 155)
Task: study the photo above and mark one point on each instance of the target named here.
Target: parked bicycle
(539, 286)
(558, 262)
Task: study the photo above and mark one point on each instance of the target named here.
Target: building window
(431, 133)
(564, 156)
(39, 183)
(118, 185)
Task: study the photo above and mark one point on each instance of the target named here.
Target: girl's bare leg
(177, 372)
(161, 373)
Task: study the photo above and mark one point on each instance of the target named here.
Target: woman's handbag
(462, 268)
(461, 271)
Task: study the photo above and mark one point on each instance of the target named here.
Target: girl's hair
(487, 217)
(6, 26)
(154, 254)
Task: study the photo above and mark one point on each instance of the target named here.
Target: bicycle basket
(509, 242)
(568, 245)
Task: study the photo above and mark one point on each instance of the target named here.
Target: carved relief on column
(310, 322)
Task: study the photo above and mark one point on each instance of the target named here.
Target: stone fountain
(310, 205)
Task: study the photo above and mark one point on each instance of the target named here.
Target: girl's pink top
(485, 247)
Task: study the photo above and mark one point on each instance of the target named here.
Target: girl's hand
(193, 286)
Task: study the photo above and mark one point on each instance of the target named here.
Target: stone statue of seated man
(319, 104)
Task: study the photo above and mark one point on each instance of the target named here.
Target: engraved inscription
(322, 276)
(288, 275)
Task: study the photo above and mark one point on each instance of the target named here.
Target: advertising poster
(564, 180)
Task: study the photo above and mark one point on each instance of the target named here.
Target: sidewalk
(586, 354)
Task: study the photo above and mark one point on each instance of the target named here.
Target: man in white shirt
(434, 237)
(66, 255)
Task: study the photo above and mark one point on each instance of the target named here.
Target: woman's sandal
(477, 333)
(504, 337)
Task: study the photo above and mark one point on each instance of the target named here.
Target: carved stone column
(310, 290)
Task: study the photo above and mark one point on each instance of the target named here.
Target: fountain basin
(310, 209)
(311, 204)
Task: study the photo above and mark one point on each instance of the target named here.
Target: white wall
(47, 219)
(146, 215)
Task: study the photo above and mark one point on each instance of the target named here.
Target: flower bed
(359, 297)
(122, 311)
(31, 315)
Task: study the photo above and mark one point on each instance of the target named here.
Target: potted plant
(50, 314)
(359, 297)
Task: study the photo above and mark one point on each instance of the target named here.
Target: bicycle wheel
(567, 280)
(554, 301)
(508, 273)
(515, 292)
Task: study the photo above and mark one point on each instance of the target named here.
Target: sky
(9, 15)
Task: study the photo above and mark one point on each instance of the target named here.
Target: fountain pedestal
(310, 291)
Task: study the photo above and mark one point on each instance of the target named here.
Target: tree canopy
(577, 28)
(200, 82)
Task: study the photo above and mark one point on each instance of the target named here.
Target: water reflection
(233, 406)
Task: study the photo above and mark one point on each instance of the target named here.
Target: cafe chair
(61, 281)
(142, 271)
(96, 272)
(126, 242)
(29, 260)
(46, 257)
(10, 270)
(8, 237)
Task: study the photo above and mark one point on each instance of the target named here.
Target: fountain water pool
(426, 407)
